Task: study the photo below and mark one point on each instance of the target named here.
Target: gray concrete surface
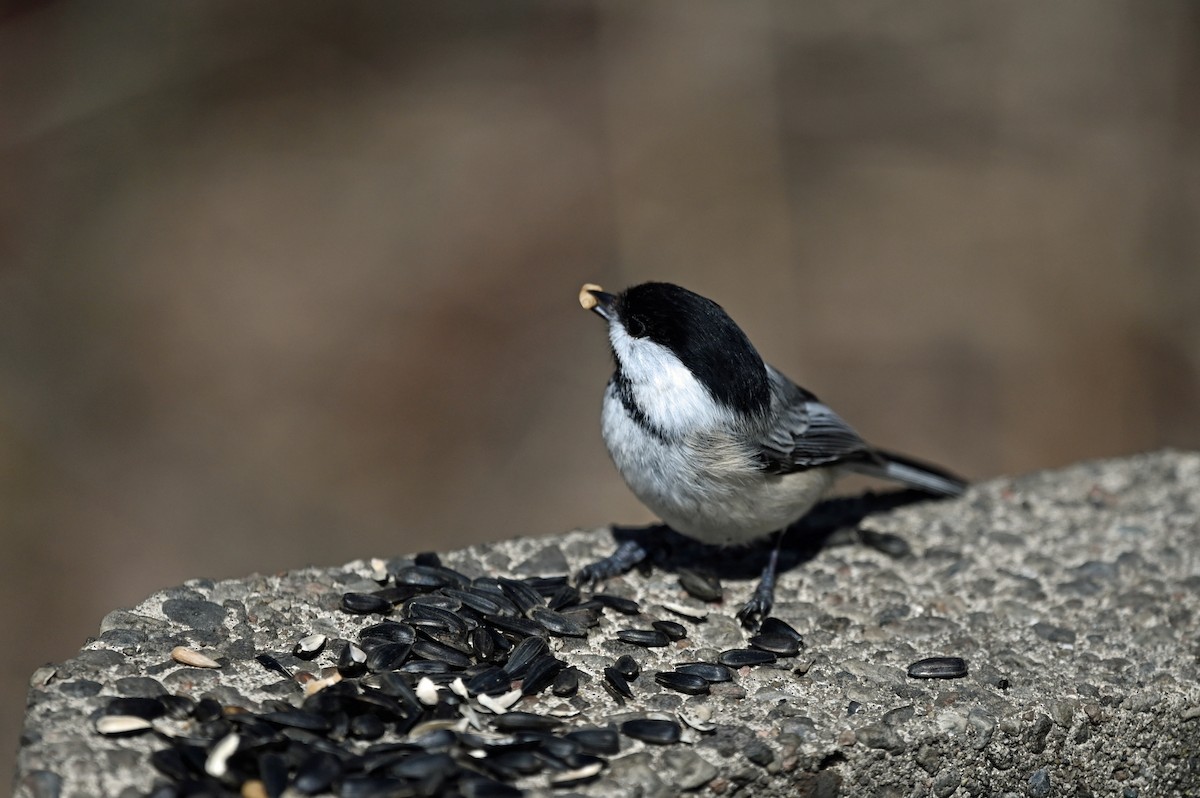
(1073, 595)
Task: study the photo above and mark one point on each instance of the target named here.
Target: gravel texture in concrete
(1073, 597)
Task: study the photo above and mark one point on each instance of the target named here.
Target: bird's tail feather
(912, 472)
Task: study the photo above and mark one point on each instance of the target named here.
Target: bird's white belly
(714, 494)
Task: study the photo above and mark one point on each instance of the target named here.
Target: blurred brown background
(294, 282)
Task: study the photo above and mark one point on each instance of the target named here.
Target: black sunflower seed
(525, 721)
(388, 656)
(352, 660)
(739, 657)
(650, 730)
(701, 586)
(298, 719)
(672, 629)
(423, 765)
(514, 764)
(138, 706)
(388, 705)
(367, 727)
(518, 627)
(272, 664)
(938, 668)
(566, 683)
(389, 630)
(475, 599)
(364, 603)
(430, 577)
(650, 638)
(776, 644)
(617, 682)
(428, 558)
(547, 586)
(208, 709)
(426, 667)
(492, 679)
(178, 707)
(440, 600)
(173, 764)
(627, 666)
(564, 596)
(774, 626)
(558, 624)
(523, 654)
(890, 544)
(525, 597)
(431, 650)
(540, 674)
(682, 682)
(317, 773)
(483, 645)
(273, 772)
(708, 671)
(596, 740)
(623, 605)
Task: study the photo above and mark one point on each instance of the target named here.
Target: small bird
(723, 447)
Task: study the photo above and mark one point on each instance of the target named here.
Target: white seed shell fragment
(187, 656)
(585, 297)
(578, 774)
(459, 688)
(379, 570)
(500, 704)
(121, 724)
(427, 691)
(698, 716)
(307, 645)
(217, 764)
(317, 685)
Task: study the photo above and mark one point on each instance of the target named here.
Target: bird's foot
(759, 606)
(628, 554)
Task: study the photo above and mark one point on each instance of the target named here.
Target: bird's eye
(635, 326)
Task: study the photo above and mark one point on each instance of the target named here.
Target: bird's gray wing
(803, 432)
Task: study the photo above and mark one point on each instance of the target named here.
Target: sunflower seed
(428, 649)
(309, 647)
(352, 660)
(427, 692)
(272, 664)
(364, 603)
(777, 644)
(187, 656)
(627, 666)
(217, 764)
(617, 682)
(700, 586)
(298, 719)
(491, 680)
(525, 597)
(138, 706)
(388, 656)
(566, 683)
(683, 611)
(122, 724)
(518, 627)
(651, 730)
(540, 674)
(708, 671)
(317, 773)
(650, 638)
(482, 643)
(523, 654)
(578, 775)
(688, 683)
(596, 740)
(524, 721)
(558, 624)
(500, 704)
(938, 668)
(564, 596)
(740, 657)
(366, 727)
(623, 605)
(392, 631)
(672, 629)
(774, 626)
(483, 604)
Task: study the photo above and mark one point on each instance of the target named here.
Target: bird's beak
(593, 297)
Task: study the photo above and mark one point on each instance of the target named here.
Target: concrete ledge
(1073, 595)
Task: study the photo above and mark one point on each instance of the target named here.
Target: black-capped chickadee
(723, 447)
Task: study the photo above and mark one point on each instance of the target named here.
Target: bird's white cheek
(672, 399)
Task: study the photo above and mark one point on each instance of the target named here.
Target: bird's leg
(763, 598)
(628, 554)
